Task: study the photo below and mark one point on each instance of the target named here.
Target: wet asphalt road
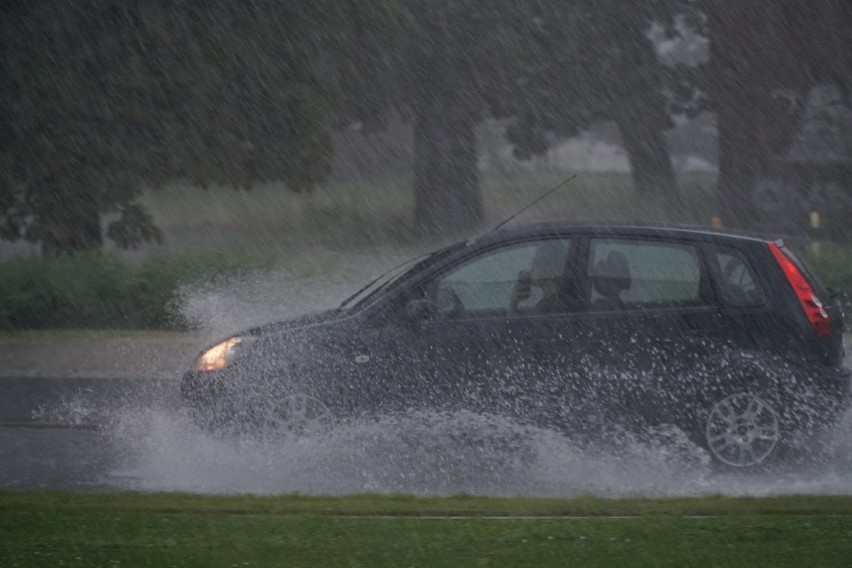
(59, 433)
(53, 458)
(55, 433)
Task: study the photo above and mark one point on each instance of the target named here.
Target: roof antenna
(551, 190)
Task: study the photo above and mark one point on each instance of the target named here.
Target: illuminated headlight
(222, 354)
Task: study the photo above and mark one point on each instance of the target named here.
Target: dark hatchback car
(728, 337)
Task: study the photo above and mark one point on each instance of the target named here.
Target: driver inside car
(546, 272)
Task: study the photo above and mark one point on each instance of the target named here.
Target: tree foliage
(593, 60)
(103, 98)
(764, 56)
(553, 67)
(452, 57)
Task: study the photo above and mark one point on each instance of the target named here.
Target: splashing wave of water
(444, 453)
(428, 453)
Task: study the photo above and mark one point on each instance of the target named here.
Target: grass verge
(369, 213)
(52, 529)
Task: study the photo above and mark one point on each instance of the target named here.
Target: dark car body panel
(554, 369)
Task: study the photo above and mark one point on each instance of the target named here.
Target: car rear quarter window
(738, 284)
(639, 274)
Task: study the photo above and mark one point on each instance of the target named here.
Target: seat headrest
(549, 260)
(614, 268)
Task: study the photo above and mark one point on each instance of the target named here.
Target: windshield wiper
(358, 293)
(382, 275)
(416, 259)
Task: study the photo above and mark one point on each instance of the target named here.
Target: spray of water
(421, 452)
(316, 280)
(445, 453)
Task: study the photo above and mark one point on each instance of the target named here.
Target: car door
(538, 377)
(651, 311)
(743, 300)
(466, 350)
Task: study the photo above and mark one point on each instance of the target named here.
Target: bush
(102, 290)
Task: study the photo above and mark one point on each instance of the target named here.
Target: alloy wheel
(298, 415)
(742, 430)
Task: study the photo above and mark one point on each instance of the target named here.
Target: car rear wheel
(747, 410)
(742, 430)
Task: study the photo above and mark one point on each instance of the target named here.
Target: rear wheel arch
(754, 400)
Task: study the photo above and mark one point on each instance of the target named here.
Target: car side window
(738, 285)
(516, 279)
(639, 274)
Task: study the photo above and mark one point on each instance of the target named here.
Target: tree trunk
(744, 70)
(647, 150)
(638, 107)
(738, 164)
(447, 195)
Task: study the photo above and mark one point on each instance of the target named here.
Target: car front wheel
(295, 415)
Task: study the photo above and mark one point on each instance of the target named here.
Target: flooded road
(110, 435)
(56, 433)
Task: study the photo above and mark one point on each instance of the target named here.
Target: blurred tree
(452, 56)
(104, 97)
(592, 60)
(553, 67)
(764, 56)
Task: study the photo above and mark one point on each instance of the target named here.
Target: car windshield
(363, 295)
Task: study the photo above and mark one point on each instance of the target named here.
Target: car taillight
(811, 305)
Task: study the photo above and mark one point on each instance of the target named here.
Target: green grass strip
(132, 529)
(408, 505)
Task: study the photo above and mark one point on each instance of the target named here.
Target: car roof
(624, 229)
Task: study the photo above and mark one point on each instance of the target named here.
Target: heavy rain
(435, 247)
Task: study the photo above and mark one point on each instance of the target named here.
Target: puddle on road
(440, 453)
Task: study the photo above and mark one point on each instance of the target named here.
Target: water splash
(422, 453)
(76, 409)
(318, 280)
(445, 453)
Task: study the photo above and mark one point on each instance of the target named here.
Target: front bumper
(213, 399)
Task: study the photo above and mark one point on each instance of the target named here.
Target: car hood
(300, 322)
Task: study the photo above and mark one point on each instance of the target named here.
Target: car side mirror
(417, 310)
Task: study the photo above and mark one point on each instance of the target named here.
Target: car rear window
(738, 285)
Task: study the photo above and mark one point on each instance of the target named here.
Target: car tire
(750, 412)
(293, 415)
(743, 430)
(268, 413)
